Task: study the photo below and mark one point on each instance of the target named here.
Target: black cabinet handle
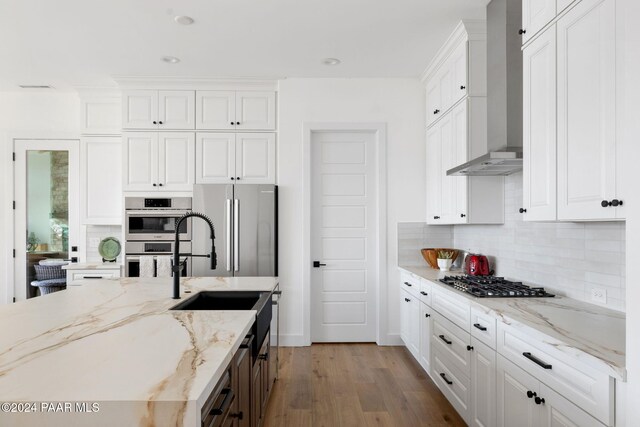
(424, 293)
(522, 210)
(462, 215)
(318, 264)
(436, 111)
(463, 87)
(479, 326)
(239, 415)
(616, 202)
(531, 394)
(436, 217)
(444, 377)
(264, 356)
(535, 360)
(225, 403)
(427, 315)
(539, 400)
(407, 300)
(408, 284)
(443, 338)
(469, 347)
(522, 31)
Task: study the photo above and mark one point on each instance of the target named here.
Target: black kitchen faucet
(177, 265)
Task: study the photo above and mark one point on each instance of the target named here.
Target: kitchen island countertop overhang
(116, 342)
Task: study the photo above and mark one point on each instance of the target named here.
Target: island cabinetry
(260, 383)
(216, 410)
(241, 409)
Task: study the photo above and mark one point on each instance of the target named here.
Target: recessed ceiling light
(170, 59)
(183, 20)
(331, 61)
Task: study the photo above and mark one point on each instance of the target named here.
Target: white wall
(397, 102)
(27, 114)
(630, 10)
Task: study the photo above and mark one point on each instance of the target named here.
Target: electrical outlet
(94, 242)
(599, 295)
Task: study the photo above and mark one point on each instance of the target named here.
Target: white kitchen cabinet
(588, 173)
(158, 161)
(235, 157)
(74, 276)
(535, 15)
(410, 322)
(100, 186)
(525, 401)
(100, 114)
(434, 175)
(235, 110)
(158, 109)
(539, 128)
(483, 385)
(459, 69)
(426, 316)
(404, 316)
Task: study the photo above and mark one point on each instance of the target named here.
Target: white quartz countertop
(92, 266)
(117, 343)
(593, 334)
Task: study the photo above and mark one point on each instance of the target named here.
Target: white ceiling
(82, 42)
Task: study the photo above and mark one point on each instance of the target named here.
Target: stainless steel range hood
(504, 94)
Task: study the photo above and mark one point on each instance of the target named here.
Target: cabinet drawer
(452, 342)
(93, 274)
(456, 309)
(410, 284)
(425, 292)
(591, 390)
(453, 384)
(483, 327)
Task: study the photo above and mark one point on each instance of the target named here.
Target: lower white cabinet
(223, 158)
(410, 327)
(483, 385)
(101, 172)
(525, 401)
(425, 336)
(74, 276)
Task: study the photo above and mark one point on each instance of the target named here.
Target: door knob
(318, 264)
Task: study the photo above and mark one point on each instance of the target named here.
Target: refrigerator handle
(228, 235)
(236, 235)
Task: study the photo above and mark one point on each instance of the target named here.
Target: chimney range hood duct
(504, 94)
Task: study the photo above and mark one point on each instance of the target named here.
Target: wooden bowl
(431, 255)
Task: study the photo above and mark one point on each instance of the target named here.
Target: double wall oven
(150, 230)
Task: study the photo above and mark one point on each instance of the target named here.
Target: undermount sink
(224, 300)
(232, 300)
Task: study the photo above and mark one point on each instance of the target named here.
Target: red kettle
(476, 265)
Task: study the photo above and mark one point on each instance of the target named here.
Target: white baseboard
(392, 339)
(292, 341)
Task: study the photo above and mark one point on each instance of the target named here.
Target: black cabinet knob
(522, 210)
(604, 204)
(160, 122)
(616, 202)
(424, 293)
(237, 178)
(232, 123)
(407, 300)
(427, 315)
(462, 215)
(463, 87)
(237, 123)
(408, 284)
(469, 347)
(436, 111)
(160, 185)
(155, 123)
(522, 31)
(232, 179)
(155, 185)
(530, 394)
(539, 400)
(436, 217)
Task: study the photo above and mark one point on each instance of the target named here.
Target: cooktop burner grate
(493, 287)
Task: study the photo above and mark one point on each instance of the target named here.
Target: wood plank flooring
(355, 385)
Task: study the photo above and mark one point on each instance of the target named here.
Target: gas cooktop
(493, 287)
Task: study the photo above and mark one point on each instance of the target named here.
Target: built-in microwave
(149, 219)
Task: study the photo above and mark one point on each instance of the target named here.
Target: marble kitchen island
(115, 343)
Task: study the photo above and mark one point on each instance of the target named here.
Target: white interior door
(46, 216)
(343, 236)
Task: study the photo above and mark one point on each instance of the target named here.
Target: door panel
(216, 109)
(586, 111)
(140, 109)
(176, 162)
(459, 69)
(176, 109)
(459, 144)
(515, 408)
(343, 218)
(141, 161)
(535, 15)
(256, 110)
(255, 158)
(434, 177)
(215, 158)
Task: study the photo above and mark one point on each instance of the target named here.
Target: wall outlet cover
(599, 295)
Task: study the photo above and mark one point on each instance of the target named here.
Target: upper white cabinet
(539, 129)
(235, 110)
(158, 109)
(101, 169)
(235, 157)
(100, 115)
(158, 161)
(588, 174)
(458, 70)
(535, 15)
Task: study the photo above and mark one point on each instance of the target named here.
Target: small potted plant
(445, 259)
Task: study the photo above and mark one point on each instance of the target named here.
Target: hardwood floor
(355, 385)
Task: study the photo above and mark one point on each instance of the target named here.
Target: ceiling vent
(36, 87)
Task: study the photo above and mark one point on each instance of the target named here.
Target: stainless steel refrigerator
(245, 218)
